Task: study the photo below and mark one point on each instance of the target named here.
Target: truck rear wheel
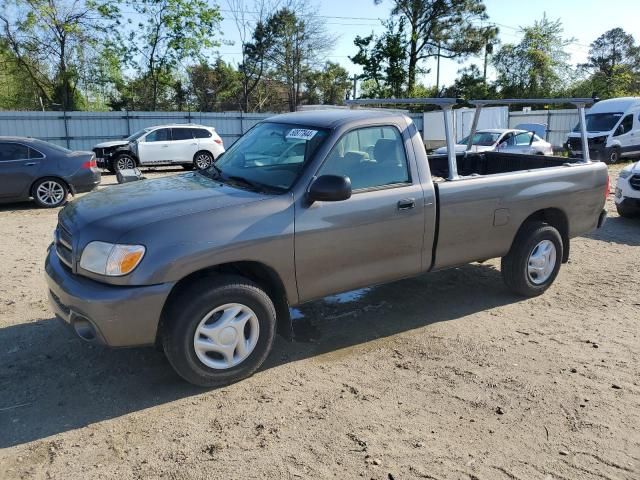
(533, 262)
(219, 330)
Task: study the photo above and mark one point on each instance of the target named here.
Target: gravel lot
(446, 376)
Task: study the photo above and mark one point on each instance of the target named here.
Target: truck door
(154, 148)
(373, 237)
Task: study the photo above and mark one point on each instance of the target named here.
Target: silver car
(506, 140)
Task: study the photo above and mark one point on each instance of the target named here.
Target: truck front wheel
(534, 260)
(219, 330)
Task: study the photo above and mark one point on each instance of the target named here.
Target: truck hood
(114, 210)
(113, 143)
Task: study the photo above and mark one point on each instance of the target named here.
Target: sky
(583, 20)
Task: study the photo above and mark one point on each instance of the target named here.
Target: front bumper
(113, 315)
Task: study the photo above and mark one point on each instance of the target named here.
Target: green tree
(328, 86)
(167, 33)
(470, 84)
(613, 65)
(383, 60)
(215, 87)
(445, 28)
(50, 40)
(17, 90)
(538, 65)
(294, 43)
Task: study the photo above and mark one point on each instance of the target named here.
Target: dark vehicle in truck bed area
(206, 264)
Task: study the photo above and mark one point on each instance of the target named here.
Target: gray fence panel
(82, 130)
(559, 122)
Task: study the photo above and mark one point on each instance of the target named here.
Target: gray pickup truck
(206, 264)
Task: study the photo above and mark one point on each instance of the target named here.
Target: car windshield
(483, 139)
(600, 122)
(268, 157)
(137, 135)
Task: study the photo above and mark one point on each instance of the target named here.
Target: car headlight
(111, 259)
(625, 173)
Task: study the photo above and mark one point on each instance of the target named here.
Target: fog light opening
(85, 329)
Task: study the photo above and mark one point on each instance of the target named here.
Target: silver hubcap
(226, 336)
(125, 163)
(203, 161)
(542, 261)
(50, 192)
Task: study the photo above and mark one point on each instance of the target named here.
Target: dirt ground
(445, 376)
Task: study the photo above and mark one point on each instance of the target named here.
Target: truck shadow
(52, 382)
(623, 231)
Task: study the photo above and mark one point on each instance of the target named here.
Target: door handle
(30, 164)
(406, 204)
(165, 146)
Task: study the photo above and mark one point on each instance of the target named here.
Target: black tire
(626, 211)
(50, 192)
(191, 306)
(613, 156)
(124, 160)
(202, 160)
(515, 264)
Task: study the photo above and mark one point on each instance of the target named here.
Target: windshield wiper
(258, 187)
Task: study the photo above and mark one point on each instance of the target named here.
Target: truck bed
(488, 163)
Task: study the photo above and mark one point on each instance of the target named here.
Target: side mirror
(329, 188)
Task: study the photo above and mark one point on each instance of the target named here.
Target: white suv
(188, 145)
(627, 195)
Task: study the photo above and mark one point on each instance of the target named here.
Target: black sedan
(31, 168)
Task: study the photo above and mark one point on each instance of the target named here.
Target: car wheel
(626, 211)
(613, 156)
(124, 162)
(203, 160)
(219, 330)
(533, 262)
(50, 192)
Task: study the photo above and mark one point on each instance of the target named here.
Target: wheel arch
(118, 153)
(70, 189)
(558, 219)
(203, 150)
(265, 276)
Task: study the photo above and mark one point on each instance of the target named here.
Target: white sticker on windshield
(302, 133)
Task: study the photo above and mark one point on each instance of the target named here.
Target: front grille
(634, 181)
(64, 245)
(575, 143)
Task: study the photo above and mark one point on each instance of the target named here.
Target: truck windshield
(270, 156)
(484, 139)
(600, 122)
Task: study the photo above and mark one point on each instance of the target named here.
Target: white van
(613, 128)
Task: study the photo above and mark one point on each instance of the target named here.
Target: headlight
(625, 173)
(111, 259)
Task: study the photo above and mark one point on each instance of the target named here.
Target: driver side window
(160, 135)
(625, 126)
(371, 157)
